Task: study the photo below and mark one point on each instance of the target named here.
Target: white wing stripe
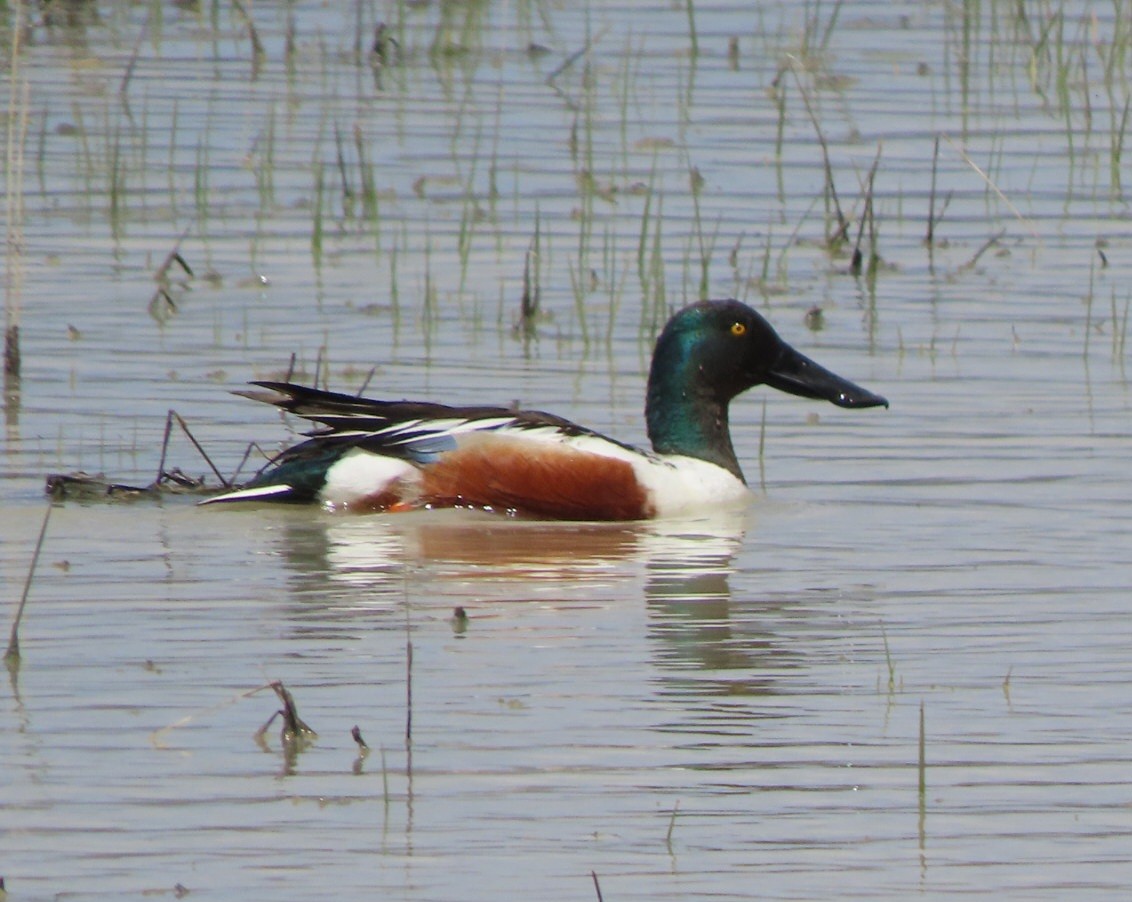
(419, 430)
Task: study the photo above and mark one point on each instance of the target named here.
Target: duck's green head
(707, 354)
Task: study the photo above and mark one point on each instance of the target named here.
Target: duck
(393, 456)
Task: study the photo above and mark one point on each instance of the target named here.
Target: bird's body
(402, 455)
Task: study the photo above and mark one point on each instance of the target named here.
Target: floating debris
(356, 733)
(815, 319)
(82, 486)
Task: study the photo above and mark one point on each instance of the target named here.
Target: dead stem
(318, 368)
(867, 218)
(990, 184)
(163, 304)
(253, 34)
(929, 236)
(531, 298)
(157, 736)
(551, 79)
(208, 460)
(842, 231)
(12, 353)
(124, 86)
(923, 781)
(12, 655)
(986, 245)
(294, 728)
(252, 446)
(161, 274)
(671, 825)
(408, 691)
(347, 191)
(365, 383)
(164, 446)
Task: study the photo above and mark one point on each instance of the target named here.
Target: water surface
(725, 708)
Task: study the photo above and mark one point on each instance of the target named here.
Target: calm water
(762, 677)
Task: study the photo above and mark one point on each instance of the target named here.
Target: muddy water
(720, 707)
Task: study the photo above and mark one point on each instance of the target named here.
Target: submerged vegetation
(530, 170)
(395, 148)
(639, 198)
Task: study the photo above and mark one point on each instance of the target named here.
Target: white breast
(681, 485)
(677, 485)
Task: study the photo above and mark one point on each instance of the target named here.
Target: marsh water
(905, 672)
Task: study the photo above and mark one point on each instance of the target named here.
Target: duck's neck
(685, 417)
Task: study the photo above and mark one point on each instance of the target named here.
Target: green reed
(615, 279)
(762, 448)
(470, 212)
(371, 209)
(19, 95)
(867, 222)
(115, 182)
(1089, 296)
(394, 289)
(586, 180)
(263, 163)
(343, 175)
(87, 167)
(531, 300)
(1116, 147)
(623, 83)
(816, 35)
(890, 664)
(1119, 328)
(705, 243)
(922, 780)
(836, 224)
(493, 173)
(650, 260)
(428, 301)
(693, 39)
(171, 160)
(201, 181)
(316, 215)
(650, 253)
(778, 89)
(671, 825)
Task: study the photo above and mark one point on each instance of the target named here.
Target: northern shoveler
(404, 455)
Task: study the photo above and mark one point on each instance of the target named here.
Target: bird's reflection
(702, 640)
(330, 555)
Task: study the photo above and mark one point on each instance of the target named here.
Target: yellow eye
(738, 329)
